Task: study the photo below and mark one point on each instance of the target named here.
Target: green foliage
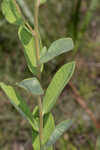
(28, 42)
(12, 12)
(58, 47)
(32, 85)
(19, 104)
(58, 131)
(56, 86)
(41, 119)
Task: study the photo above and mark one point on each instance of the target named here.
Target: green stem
(36, 12)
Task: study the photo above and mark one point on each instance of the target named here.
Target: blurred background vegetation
(79, 19)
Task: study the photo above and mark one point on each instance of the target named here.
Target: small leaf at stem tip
(59, 81)
(32, 85)
(58, 131)
(57, 48)
(12, 12)
(19, 104)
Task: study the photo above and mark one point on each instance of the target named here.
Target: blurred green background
(79, 19)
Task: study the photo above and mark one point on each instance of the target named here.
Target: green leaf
(56, 86)
(32, 85)
(11, 12)
(49, 126)
(58, 131)
(58, 47)
(98, 144)
(29, 47)
(19, 104)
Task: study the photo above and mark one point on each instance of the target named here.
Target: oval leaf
(32, 85)
(28, 42)
(56, 86)
(57, 48)
(19, 104)
(49, 127)
(58, 131)
(11, 12)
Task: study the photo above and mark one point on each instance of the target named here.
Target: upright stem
(36, 12)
